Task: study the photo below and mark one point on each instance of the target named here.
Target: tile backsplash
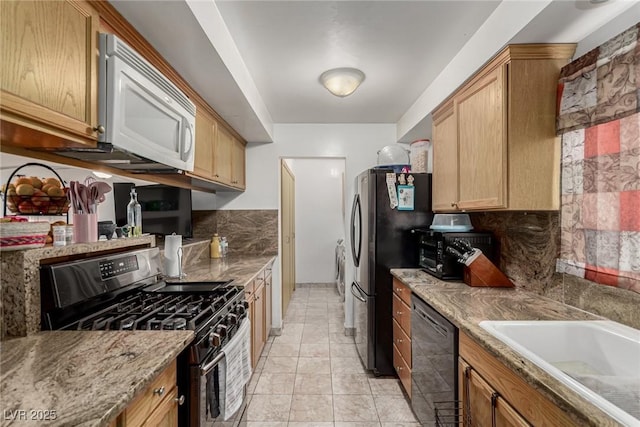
(248, 231)
(529, 246)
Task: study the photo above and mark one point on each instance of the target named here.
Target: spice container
(68, 235)
(59, 235)
(215, 246)
(224, 247)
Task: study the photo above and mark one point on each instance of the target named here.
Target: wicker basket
(42, 204)
(49, 205)
(15, 236)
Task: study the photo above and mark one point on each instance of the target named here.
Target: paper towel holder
(179, 253)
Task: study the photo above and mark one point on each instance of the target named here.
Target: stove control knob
(214, 339)
(221, 330)
(232, 318)
(241, 308)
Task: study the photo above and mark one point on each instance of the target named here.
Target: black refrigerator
(381, 239)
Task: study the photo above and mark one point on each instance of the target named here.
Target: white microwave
(144, 113)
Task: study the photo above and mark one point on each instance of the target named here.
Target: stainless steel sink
(600, 360)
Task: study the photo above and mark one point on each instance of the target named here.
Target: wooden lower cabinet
(493, 395)
(402, 369)
(258, 339)
(268, 283)
(157, 405)
(482, 404)
(258, 295)
(402, 333)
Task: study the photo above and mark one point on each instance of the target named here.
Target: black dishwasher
(434, 353)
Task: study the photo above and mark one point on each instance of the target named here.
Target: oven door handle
(209, 366)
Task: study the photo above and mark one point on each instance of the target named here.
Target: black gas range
(125, 291)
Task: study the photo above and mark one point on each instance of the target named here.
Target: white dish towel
(235, 370)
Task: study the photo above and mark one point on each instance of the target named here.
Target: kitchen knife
(459, 255)
(463, 244)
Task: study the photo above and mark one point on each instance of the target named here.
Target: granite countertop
(86, 377)
(467, 306)
(241, 268)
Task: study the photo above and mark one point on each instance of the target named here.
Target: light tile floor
(311, 374)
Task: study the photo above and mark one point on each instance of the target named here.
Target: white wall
(319, 224)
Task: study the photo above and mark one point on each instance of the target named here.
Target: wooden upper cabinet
(494, 139)
(222, 155)
(238, 164)
(48, 72)
(205, 140)
(482, 150)
(445, 158)
(219, 156)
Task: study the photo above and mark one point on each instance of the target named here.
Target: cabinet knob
(159, 391)
(399, 340)
(180, 400)
(217, 176)
(398, 290)
(99, 129)
(399, 368)
(399, 313)
(454, 205)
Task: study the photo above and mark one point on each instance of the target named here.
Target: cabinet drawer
(403, 342)
(402, 291)
(402, 314)
(166, 413)
(149, 399)
(249, 288)
(404, 373)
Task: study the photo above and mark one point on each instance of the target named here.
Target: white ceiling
(400, 46)
(257, 62)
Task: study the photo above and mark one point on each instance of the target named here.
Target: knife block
(482, 272)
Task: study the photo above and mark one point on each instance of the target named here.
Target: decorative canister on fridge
(419, 155)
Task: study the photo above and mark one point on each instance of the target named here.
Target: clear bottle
(215, 246)
(134, 215)
(224, 246)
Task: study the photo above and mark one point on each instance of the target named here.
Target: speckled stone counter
(241, 268)
(467, 306)
(20, 279)
(87, 378)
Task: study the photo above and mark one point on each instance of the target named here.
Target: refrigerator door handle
(356, 251)
(355, 288)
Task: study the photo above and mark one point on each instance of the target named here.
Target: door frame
(288, 249)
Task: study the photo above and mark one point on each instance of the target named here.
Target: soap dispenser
(215, 246)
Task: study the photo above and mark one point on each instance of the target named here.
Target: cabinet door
(482, 162)
(258, 311)
(205, 139)
(268, 282)
(252, 317)
(238, 164)
(222, 156)
(166, 414)
(445, 159)
(482, 405)
(49, 70)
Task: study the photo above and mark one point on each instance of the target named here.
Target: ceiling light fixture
(342, 81)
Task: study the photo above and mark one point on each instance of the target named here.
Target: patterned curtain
(599, 122)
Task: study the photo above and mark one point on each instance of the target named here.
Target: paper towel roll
(172, 255)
